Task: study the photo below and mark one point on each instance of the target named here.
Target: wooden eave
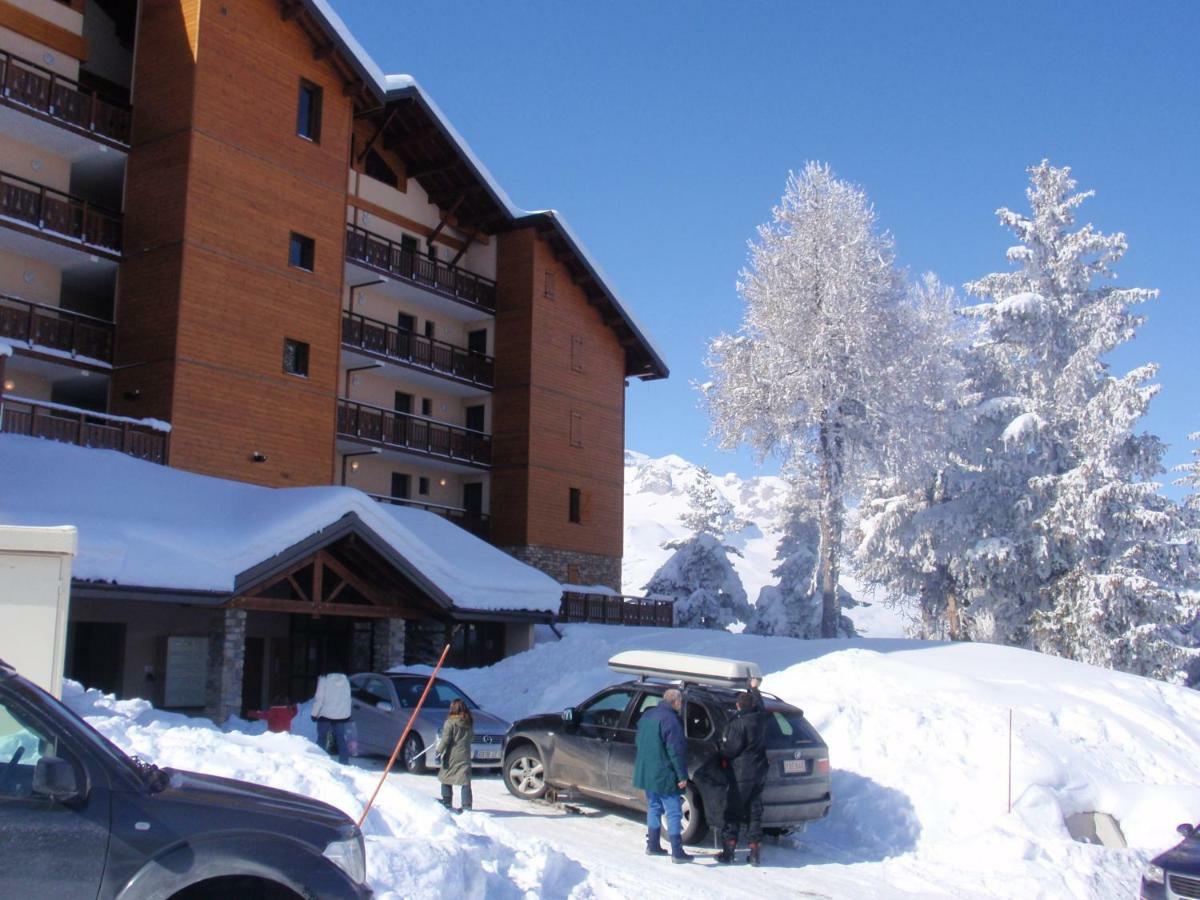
(327, 47)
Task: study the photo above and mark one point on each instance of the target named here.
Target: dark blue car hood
(1183, 858)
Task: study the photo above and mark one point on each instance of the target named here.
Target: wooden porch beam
(379, 132)
(362, 611)
(288, 9)
(459, 255)
(445, 219)
(433, 168)
(355, 582)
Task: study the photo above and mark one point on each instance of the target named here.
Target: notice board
(186, 671)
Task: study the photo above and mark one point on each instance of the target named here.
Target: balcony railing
(59, 329)
(82, 427)
(415, 434)
(390, 258)
(613, 609)
(410, 348)
(475, 522)
(57, 213)
(25, 84)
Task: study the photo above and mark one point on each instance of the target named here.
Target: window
(647, 703)
(423, 486)
(405, 322)
(308, 111)
(301, 252)
(477, 341)
(474, 417)
(426, 406)
(295, 357)
(429, 329)
(576, 354)
(697, 723)
(576, 429)
(605, 711)
(402, 402)
(25, 743)
(473, 497)
(548, 285)
(378, 169)
(400, 486)
(574, 511)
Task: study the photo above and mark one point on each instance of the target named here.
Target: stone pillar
(226, 663)
(387, 644)
(362, 650)
(424, 641)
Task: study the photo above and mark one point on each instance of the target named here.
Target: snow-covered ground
(918, 737)
(656, 498)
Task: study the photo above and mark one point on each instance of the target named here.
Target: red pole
(1010, 759)
(404, 735)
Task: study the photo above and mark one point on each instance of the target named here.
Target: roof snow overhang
(455, 179)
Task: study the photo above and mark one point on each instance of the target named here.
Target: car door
(50, 849)
(582, 747)
(373, 703)
(623, 750)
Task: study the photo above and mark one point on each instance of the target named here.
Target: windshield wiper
(156, 779)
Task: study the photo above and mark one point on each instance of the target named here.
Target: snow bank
(147, 525)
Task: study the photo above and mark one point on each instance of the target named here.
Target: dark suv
(590, 749)
(79, 818)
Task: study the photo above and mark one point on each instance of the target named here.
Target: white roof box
(685, 667)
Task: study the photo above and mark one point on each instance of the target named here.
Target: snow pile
(147, 525)
(415, 848)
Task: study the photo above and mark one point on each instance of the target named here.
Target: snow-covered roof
(398, 86)
(143, 525)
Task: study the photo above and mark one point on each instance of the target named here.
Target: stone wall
(387, 644)
(571, 566)
(226, 663)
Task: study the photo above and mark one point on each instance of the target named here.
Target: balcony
(409, 433)
(59, 215)
(615, 609)
(82, 427)
(56, 329)
(399, 345)
(26, 86)
(475, 522)
(389, 258)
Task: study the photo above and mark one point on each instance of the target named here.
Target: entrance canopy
(148, 532)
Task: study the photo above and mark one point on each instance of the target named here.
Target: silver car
(381, 706)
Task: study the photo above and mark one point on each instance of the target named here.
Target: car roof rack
(687, 668)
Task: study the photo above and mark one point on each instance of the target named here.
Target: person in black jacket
(743, 745)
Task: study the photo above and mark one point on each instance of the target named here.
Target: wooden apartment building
(230, 244)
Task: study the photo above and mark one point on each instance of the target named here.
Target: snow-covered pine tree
(832, 365)
(1086, 562)
(1191, 480)
(699, 576)
(793, 607)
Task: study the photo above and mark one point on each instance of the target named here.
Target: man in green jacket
(661, 771)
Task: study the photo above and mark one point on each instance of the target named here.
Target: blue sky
(664, 131)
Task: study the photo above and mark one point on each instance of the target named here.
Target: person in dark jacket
(454, 750)
(743, 745)
(661, 771)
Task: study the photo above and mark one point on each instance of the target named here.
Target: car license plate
(487, 753)
(795, 766)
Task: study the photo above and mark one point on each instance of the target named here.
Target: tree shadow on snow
(867, 823)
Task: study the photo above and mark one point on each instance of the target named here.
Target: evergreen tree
(834, 369)
(708, 512)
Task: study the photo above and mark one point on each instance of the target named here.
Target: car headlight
(1153, 874)
(349, 856)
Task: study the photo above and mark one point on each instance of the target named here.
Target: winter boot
(755, 859)
(677, 854)
(726, 855)
(654, 845)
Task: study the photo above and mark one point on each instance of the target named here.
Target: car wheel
(693, 828)
(524, 773)
(410, 753)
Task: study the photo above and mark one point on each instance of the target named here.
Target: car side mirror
(569, 716)
(54, 778)
(384, 705)
(1186, 829)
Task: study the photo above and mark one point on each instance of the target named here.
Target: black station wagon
(590, 750)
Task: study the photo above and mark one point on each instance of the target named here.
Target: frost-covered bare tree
(834, 367)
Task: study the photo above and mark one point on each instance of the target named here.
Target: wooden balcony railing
(614, 609)
(402, 345)
(25, 84)
(390, 258)
(57, 213)
(415, 434)
(82, 427)
(475, 522)
(60, 329)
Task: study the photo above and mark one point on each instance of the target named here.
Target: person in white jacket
(331, 711)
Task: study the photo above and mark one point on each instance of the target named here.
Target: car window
(605, 711)
(697, 722)
(409, 691)
(22, 744)
(646, 702)
(787, 729)
(371, 690)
